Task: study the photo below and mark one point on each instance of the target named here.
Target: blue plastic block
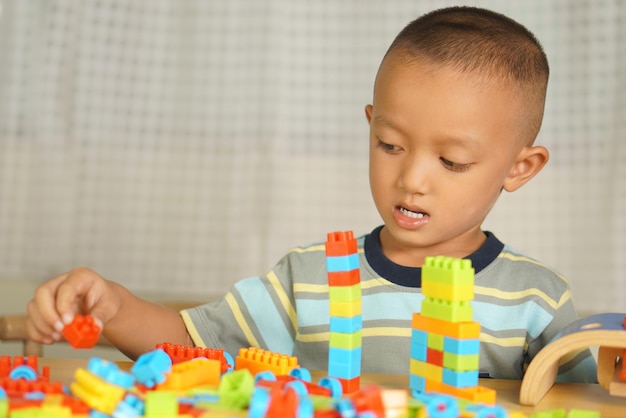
(419, 352)
(346, 325)
(417, 383)
(110, 372)
(150, 368)
(466, 379)
(342, 263)
(345, 364)
(456, 346)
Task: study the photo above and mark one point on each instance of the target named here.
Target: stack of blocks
(445, 341)
(344, 290)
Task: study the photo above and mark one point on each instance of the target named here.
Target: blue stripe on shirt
(502, 318)
(271, 326)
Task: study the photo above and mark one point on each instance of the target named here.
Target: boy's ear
(529, 162)
(368, 113)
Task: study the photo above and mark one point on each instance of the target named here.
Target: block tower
(445, 341)
(344, 295)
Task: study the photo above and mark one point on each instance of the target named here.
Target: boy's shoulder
(513, 270)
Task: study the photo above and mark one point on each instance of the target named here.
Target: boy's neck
(407, 256)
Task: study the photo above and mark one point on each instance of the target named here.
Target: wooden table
(562, 395)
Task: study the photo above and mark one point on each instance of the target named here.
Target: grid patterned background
(180, 146)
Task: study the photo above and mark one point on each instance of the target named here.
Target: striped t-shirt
(520, 303)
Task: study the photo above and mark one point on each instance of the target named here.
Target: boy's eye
(452, 166)
(388, 147)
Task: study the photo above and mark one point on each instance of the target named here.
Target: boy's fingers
(71, 296)
(42, 309)
(38, 329)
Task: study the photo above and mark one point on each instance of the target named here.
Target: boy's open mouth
(411, 214)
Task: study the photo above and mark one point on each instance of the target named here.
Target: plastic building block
(110, 372)
(179, 353)
(342, 263)
(369, 399)
(257, 360)
(344, 278)
(161, 404)
(82, 332)
(459, 330)
(346, 324)
(458, 346)
(426, 370)
(340, 243)
(192, 373)
(446, 310)
(345, 293)
(448, 270)
(130, 406)
(344, 363)
(236, 388)
(95, 392)
(23, 372)
(350, 385)
(151, 368)
(460, 362)
(346, 309)
(582, 413)
(439, 405)
(346, 341)
(434, 357)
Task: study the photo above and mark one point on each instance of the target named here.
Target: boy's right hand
(57, 301)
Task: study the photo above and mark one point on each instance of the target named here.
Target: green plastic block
(434, 341)
(460, 362)
(160, 403)
(553, 413)
(583, 413)
(447, 311)
(448, 270)
(236, 389)
(345, 341)
(344, 293)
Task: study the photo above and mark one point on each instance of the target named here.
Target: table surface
(562, 395)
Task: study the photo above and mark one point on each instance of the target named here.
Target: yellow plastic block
(193, 373)
(426, 370)
(257, 360)
(459, 330)
(344, 293)
(447, 311)
(452, 293)
(95, 392)
(345, 309)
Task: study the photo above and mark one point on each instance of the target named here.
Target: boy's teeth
(411, 214)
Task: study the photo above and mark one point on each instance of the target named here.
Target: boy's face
(442, 145)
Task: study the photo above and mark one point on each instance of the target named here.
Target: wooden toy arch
(603, 330)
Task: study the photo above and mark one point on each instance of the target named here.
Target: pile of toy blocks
(445, 344)
(344, 290)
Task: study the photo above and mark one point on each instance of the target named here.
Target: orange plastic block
(344, 278)
(477, 394)
(193, 373)
(258, 360)
(459, 330)
(369, 399)
(82, 332)
(18, 387)
(340, 243)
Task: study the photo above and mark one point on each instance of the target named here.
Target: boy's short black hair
(485, 42)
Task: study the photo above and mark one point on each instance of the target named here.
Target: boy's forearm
(140, 324)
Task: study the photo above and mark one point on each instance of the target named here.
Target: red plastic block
(180, 353)
(350, 385)
(344, 278)
(434, 357)
(82, 332)
(18, 387)
(340, 243)
(369, 399)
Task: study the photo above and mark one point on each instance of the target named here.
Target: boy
(458, 101)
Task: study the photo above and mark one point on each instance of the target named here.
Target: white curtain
(178, 146)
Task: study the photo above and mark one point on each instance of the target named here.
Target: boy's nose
(415, 176)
